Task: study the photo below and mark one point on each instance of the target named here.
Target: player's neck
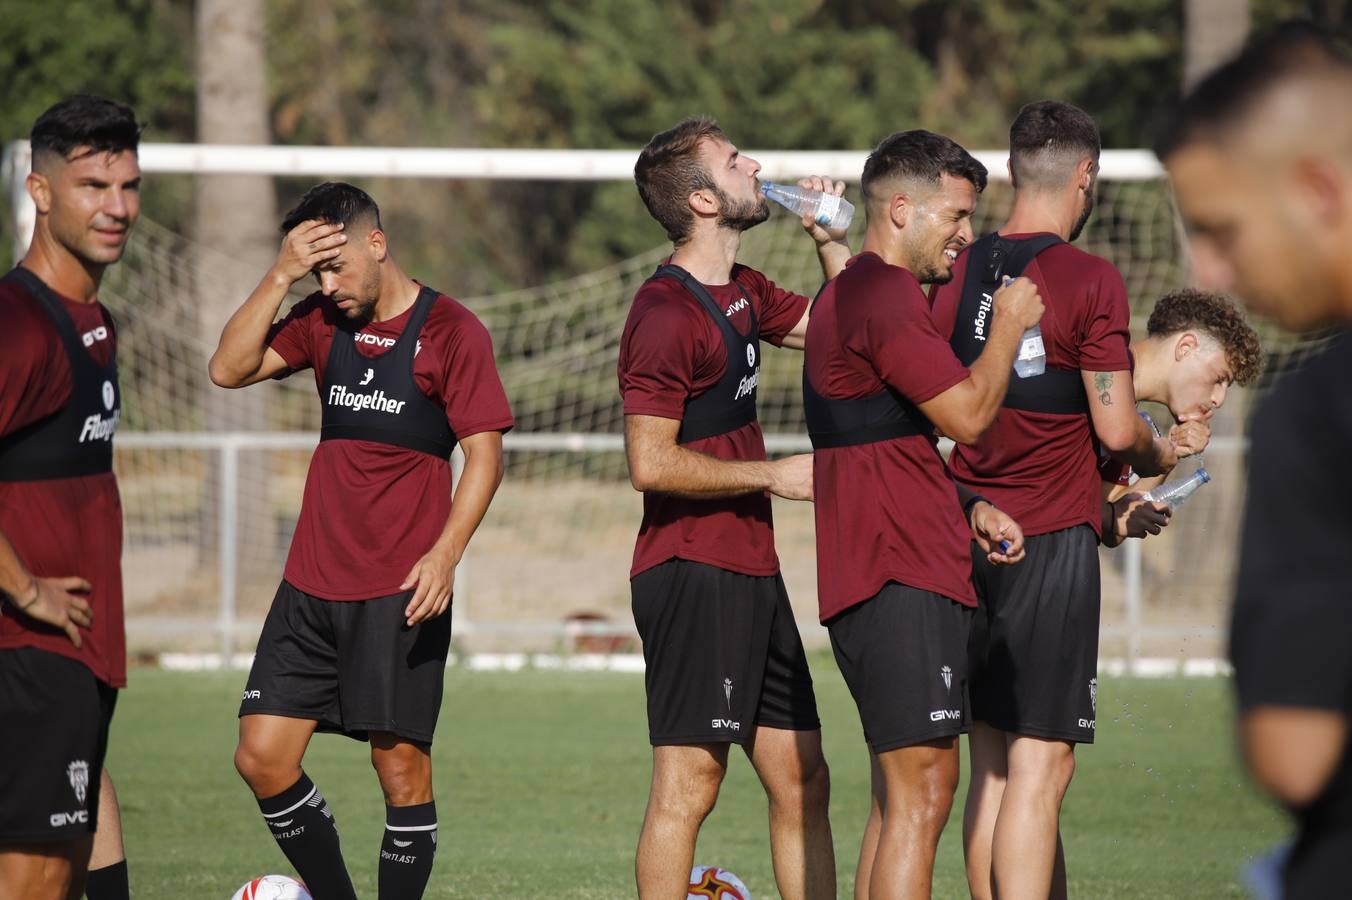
(397, 293)
(709, 255)
(1039, 213)
(1147, 376)
(61, 270)
(883, 240)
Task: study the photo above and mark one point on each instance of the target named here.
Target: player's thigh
(903, 655)
(391, 676)
(922, 776)
(44, 871)
(56, 736)
(688, 776)
(787, 700)
(1036, 648)
(295, 671)
(706, 633)
(399, 761)
(788, 760)
(273, 741)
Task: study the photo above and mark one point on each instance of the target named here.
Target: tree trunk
(1213, 31)
(235, 232)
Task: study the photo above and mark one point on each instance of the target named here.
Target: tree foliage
(792, 74)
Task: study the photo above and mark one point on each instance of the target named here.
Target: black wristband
(973, 501)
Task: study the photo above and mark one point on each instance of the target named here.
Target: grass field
(541, 780)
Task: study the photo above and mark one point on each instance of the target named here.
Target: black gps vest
(863, 420)
(78, 439)
(1056, 390)
(376, 398)
(731, 403)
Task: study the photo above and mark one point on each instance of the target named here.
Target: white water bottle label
(827, 208)
(1031, 347)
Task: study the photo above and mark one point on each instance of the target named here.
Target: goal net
(556, 544)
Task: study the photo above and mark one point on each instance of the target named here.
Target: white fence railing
(227, 447)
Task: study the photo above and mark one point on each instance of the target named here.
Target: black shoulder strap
(990, 259)
(691, 283)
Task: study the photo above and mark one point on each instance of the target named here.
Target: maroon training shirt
(888, 510)
(60, 526)
(671, 351)
(1042, 468)
(371, 510)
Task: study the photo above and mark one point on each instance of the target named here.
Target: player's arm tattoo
(1103, 383)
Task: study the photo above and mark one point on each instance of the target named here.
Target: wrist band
(973, 501)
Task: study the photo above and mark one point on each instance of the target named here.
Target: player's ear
(899, 207)
(40, 190)
(1084, 173)
(1322, 186)
(703, 202)
(1185, 345)
(376, 243)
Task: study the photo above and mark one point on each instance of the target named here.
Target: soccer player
(62, 641)
(725, 664)
(1260, 157)
(357, 636)
(893, 560)
(1034, 648)
(1197, 344)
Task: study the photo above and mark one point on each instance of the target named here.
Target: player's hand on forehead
(308, 246)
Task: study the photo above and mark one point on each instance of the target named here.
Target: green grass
(541, 780)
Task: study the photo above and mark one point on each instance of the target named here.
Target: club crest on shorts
(108, 396)
(78, 773)
(727, 692)
(1093, 695)
(947, 675)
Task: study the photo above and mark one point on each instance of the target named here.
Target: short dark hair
(921, 155)
(334, 202)
(85, 122)
(1213, 314)
(669, 170)
(1223, 99)
(1047, 139)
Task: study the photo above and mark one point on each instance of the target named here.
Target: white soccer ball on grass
(273, 887)
(713, 883)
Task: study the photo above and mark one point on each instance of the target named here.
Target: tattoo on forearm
(1103, 383)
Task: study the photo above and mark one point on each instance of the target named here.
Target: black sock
(407, 851)
(303, 827)
(108, 883)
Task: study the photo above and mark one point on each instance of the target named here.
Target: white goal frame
(501, 164)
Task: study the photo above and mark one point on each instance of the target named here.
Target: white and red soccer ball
(273, 887)
(713, 883)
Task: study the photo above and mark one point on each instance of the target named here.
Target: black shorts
(722, 655)
(55, 715)
(351, 665)
(903, 653)
(1034, 649)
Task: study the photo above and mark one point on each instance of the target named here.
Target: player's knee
(261, 770)
(405, 778)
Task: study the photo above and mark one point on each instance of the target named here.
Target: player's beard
(741, 216)
(1084, 213)
(930, 267)
(365, 304)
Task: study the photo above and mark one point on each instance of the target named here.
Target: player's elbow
(641, 476)
(1117, 438)
(962, 429)
(221, 374)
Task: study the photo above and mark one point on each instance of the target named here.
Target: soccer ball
(273, 887)
(713, 883)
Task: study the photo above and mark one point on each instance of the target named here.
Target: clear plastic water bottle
(1173, 493)
(1032, 358)
(827, 210)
